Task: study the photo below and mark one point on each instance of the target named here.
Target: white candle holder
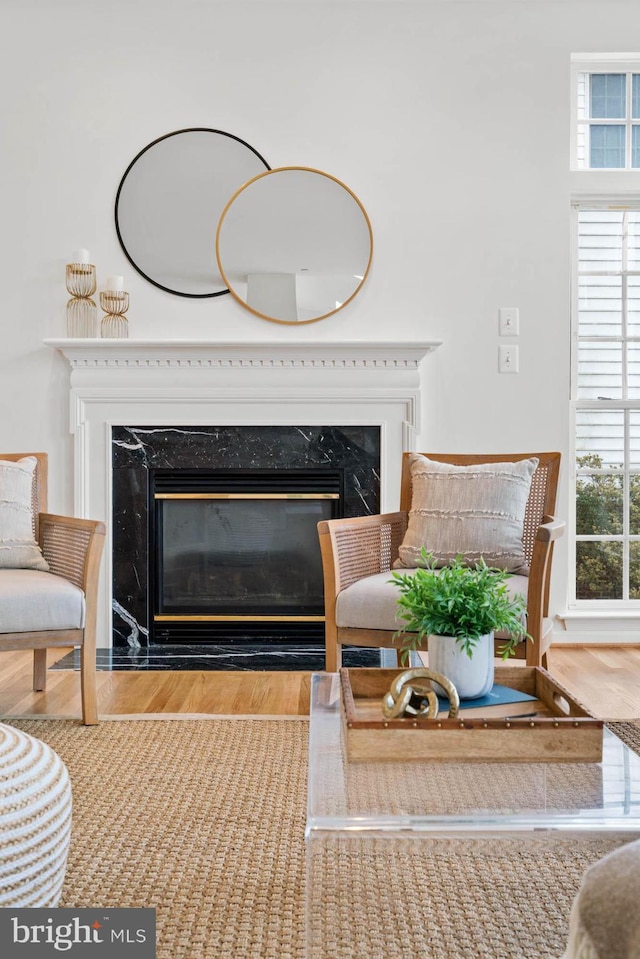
(82, 312)
(114, 324)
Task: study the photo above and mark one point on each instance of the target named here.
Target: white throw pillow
(18, 548)
(477, 511)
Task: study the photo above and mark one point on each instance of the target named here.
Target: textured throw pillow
(477, 511)
(18, 548)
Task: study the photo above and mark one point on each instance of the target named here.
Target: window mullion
(625, 391)
(626, 508)
(627, 150)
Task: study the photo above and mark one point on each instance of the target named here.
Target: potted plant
(459, 608)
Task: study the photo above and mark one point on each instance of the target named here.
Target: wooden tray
(561, 731)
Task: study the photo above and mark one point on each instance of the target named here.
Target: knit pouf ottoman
(35, 820)
(604, 921)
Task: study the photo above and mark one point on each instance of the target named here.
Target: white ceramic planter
(472, 677)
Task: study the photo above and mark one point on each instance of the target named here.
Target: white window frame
(609, 606)
(593, 619)
(627, 63)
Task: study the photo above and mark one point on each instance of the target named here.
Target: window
(606, 404)
(607, 115)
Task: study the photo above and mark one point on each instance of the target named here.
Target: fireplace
(215, 528)
(128, 399)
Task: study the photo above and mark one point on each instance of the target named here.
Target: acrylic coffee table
(437, 860)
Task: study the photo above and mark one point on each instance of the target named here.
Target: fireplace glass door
(247, 554)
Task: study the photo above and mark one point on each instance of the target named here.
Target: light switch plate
(509, 321)
(508, 359)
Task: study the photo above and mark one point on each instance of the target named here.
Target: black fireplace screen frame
(174, 616)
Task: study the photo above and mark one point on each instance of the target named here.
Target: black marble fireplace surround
(137, 451)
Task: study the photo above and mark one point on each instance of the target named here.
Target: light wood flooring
(605, 679)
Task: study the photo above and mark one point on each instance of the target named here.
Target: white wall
(449, 120)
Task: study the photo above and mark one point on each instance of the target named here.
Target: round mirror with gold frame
(294, 245)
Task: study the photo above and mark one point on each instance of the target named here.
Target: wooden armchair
(42, 609)
(356, 550)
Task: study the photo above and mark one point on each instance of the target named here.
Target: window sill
(597, 627)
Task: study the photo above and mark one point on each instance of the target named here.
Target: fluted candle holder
(82, 312)
(114, 324)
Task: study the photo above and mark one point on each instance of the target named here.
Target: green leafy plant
(465, 602)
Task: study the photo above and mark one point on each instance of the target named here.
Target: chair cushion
(372, 602)
(476, 511)
(18, 548)
(32, 600)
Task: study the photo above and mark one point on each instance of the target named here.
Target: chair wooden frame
(353, 548)
(73, 549)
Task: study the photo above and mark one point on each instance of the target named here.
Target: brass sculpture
(406, 697)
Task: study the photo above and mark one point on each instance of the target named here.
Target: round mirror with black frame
(169, 201)
(294, 245)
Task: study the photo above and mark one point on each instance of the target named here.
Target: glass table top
(456, 797)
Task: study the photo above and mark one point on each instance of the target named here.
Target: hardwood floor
(605, 679)
(123, 693)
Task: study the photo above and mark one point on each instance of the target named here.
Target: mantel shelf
(136, 353)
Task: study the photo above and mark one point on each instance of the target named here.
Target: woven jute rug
(204, 820)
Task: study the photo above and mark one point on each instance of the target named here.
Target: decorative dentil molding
(158, 354)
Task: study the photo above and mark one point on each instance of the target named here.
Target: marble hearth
(285, 391)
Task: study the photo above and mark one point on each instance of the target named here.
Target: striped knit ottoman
(35, 820)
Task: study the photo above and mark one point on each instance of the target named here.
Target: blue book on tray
(497, 696)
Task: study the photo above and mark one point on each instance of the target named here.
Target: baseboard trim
(605, 637)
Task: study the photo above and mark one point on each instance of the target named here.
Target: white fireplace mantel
(177, 383)
(126, 354)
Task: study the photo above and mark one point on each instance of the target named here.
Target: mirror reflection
(294, 245)
(169, 200)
